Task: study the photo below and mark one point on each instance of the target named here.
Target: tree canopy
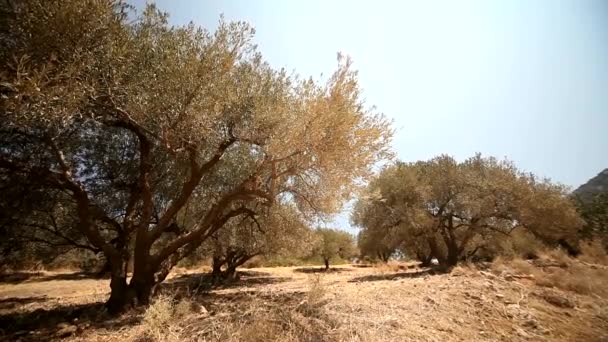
(333, 243)
(448, 210)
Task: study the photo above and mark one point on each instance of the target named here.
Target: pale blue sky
(522, 79)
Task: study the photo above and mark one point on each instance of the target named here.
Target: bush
(389, 267)
(526, 245)
(593, 252)
(557, 255)
(161, 319)
(254, 262)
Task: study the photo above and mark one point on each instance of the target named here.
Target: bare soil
(398, 303)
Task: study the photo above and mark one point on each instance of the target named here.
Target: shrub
(522, 266)
(525, 245)
(389, 267)
(161, 321)
(254, 262)
(593, 252)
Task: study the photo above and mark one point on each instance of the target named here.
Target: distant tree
(449, 210)
(332, 243)
(378, 244)
(279, 231)
(136, 122)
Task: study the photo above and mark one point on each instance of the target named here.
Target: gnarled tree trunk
(216, 267)
(120, 296)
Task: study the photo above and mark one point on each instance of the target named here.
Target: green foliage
(379, 243)
(594, 212)
(449, 210)
(279, 232)
(334, 243)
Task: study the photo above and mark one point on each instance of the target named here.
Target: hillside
(594, 186)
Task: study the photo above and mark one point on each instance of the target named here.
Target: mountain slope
(593, 187)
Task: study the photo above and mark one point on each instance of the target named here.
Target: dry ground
(390, 303)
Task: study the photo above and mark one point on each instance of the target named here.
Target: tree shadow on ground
(45, 325)
(50, 324)
(12, 302)
(216, 300)
(18, 277)
(321, 270)
(36, 277)
(395, 276)
(204, 282)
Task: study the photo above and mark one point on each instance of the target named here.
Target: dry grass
(392, 303)
(555, 269)
(593, 252)
(162, 319)
(248, 318)
(515, 265)
(558, 256)
(389, 267)
(577, 278)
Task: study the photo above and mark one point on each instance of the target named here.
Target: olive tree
(448, 210)
(278, 231)
(379, 244)
(332, 243)
(137, 122)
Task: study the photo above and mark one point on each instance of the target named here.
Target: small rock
(512, 310)
(67, 331)
(394, 323)
(500, 296)
(458, 320)
(556, 299)
(531, 323)
(472, 296)
(522, 333)
(430, 300)
(203, 311)
(446, 329)
(487, 274)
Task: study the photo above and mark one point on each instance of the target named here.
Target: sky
(517, 79)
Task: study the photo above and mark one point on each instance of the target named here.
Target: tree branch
(196, 174)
